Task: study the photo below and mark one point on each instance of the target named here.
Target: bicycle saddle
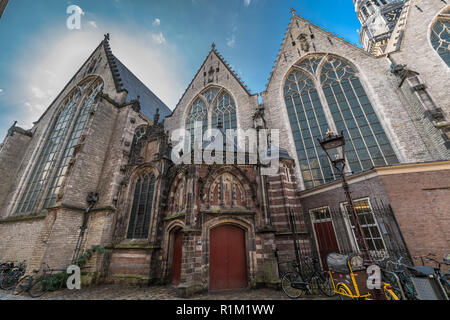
(338, 262)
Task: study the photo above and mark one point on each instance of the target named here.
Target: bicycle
(400, 280)
(349, 278)
(37, 287)
(304, 279)
(5, 267)
(9, 280)
(443, 278)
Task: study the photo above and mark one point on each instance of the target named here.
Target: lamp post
(334, 147)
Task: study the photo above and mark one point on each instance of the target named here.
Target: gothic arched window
(141, 210)
(308, 123)
(225, 112)
(138, 142)
(64, 135)
(440, 36)
(197, 113)
(367, 144)
(46, 160)
(219, 103)
(351, 112)
(74, 140)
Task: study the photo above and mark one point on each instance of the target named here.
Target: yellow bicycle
(349, 277)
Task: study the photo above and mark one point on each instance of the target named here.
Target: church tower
(378, 19)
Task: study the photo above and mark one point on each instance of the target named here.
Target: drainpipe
(92, 200)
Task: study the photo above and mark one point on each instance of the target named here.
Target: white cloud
(93, 24)
(39, 78)
(157, 22)
(1, 92)
(247, 2)
(231, 41)
(159, 38)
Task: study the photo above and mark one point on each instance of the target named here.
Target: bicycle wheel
(21, 285)
(290, 283)
(343, 292)
(40, 287)
(409, 289)
(9, 281)
(325, 285)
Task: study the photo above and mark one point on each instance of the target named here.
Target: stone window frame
(443, 15)
(82, 88)
(209, 105)
(131, 192)
(374, 126)
(350, 228)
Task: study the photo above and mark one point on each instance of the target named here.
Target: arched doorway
(228, 258)
(177, 257)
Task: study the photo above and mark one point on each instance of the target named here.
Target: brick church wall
(421, 202)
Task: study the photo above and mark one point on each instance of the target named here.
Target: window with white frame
(369, 225)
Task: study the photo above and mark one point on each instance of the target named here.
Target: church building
(97, 167)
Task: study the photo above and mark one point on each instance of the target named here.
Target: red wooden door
(177, 256)
(326, 240)
(228, 263)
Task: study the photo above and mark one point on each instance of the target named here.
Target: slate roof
(125, 80)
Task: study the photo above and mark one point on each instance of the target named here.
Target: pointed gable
(214, 72)
(126, 84)
(210, 72)
(303, 37)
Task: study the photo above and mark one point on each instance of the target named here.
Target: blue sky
(163, 42)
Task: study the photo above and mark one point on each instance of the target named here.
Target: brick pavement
(123, 292)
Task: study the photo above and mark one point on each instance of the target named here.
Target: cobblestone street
(121, 292)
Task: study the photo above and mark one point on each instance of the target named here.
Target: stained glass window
(308, 124)
(367, 144)
(142, 208)
(310, 64)
(74, 140)
(351, 112)
(440, 36)
(198, 112)
(46, 160)
(225, 112)
(222, 108)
